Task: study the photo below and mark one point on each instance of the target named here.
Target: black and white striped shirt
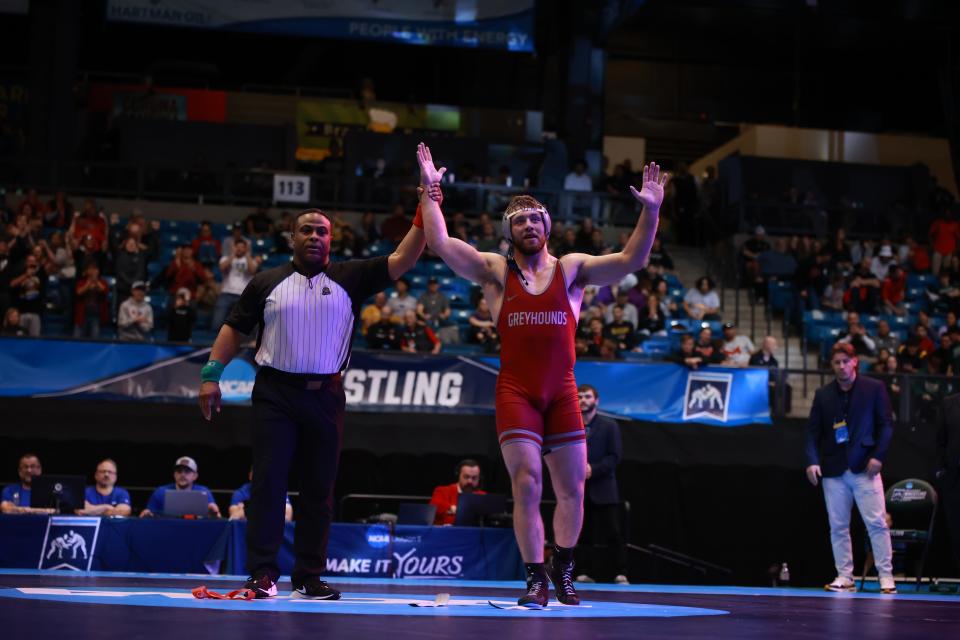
(306, 324)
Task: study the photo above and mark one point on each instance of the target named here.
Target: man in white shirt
(237, 269)
(578, 180)
(736, 348)
(135, 317)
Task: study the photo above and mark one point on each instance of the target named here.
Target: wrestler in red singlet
(536, 392)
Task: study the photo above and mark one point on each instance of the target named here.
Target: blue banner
(378, 381)
(486, 24)
(372, 550)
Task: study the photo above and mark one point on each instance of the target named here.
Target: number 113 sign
(291, 188)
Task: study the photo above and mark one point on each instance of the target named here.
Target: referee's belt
(309, 381)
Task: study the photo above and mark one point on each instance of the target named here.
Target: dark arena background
(811, 146)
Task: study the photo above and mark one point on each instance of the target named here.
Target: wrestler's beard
(520, 248)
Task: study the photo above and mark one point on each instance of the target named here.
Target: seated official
(445, 497)
(238, 501)
(16, 497)
(105, 498)
(184, 479)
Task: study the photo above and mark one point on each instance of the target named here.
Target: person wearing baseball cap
(184, 479)
(135, 316)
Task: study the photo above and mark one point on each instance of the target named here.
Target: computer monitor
(416, 513)
(184, 503)
(63, 493)
(472, 507)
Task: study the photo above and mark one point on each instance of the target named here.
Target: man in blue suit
(601, 498)
(848, 435)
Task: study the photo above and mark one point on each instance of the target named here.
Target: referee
(305, 312)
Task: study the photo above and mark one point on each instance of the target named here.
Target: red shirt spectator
(91, 292)
(185, 272)
(37, 207)
(894, 287)
(205, 247)
(91, 223)
(945, 234)
(395, 227)
(445, 497)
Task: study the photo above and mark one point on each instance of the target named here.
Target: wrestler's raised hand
(429, 174)
(651, 190)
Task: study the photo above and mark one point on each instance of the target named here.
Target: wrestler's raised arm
(604, 270)
(465, 260)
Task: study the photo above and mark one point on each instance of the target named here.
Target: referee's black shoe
(313, 588)
(262, 586)
(538, 591)
(561, 575)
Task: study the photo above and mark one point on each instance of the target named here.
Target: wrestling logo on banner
(707, 396)
(69, 543)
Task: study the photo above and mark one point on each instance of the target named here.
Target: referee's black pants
(300, 428)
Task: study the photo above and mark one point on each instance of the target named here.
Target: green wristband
(212, 371)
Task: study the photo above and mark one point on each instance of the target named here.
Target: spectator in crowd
(384, 334)
(660, 261)
(401, 301)
(258, 224)
(944, 355)
(27, 292)
(707, 348)
(568, 242)
(483, 330)
(90, 309)
(765, 357)
(863, 294)
(687, 355)
(750, 252)
(578, 180)
(205, 247)
(835, 293)
(104, 497)
(737, 349)
(11, 324)
(185, 474)
(237, 270)
(585, 235)
(417, 336)
(433, 307)
(87, 252)
(917, 259)
(16, 497)
(630, 312)
(184, 272)
(373, 313)
(893, 291)
(856, 335)
(652, 321)
(445, 497)
(593, 333)
(702, 301)
(135, 318)
(620, 331)
(886, 339)
(89, 222)
(880, 264)
(65, 269)
(181, 317)
(59, 213)
(368, 229)
(8, 268)
(601, 500)
(667, 304)
(238, 501)
(32, 205)
(910, 358)
(944, 238)
(130, 266)
(395, 226)
(236, 234)
(950, 323)
(922, 331)
(283, 237)
(487, 239)
(841, 260)
(611, 294)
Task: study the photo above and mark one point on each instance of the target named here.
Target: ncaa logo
(707, 396)
(378, 536)
(236, 383)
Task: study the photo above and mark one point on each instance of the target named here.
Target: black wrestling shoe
(261, 585)
(313, 588)
(538, 592)
(561, 575)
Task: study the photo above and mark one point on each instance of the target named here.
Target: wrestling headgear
(524, 204)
